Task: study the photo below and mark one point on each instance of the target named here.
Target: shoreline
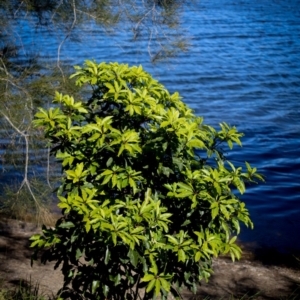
(267, 256)
(260, 275)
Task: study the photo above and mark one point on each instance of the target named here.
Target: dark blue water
(243, 68)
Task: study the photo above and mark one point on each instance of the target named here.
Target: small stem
(48, 167)
(136, 294)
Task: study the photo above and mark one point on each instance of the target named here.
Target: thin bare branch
(21, 4)
(66, 37)
(58, 6)
(25, 178)
(48, 168)
(141, 20)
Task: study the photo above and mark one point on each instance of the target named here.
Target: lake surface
(243, 68)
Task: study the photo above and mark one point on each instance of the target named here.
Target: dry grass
(25, 290)
(20, 205)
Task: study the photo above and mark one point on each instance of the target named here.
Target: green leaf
(172, 239)
(147, 277)
(35, 237)
(95, 286)
(214, 209)
(78, 253)
(157, 287)
(87, 227)
(150, 286)
(165, 284)
(153, 268)
(109, 162)
(197, 256)
(181, 255)
(105, 289)
(134, 257)
(107, 256)
(67, 225)
(116, 279)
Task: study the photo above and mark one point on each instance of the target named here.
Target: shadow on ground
(260, 276)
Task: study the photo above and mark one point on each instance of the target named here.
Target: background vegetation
(28, 80)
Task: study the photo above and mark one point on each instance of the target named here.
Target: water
(243, 68)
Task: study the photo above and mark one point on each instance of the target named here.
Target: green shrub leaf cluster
(148, 197)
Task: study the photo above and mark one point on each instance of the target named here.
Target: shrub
(148, 197)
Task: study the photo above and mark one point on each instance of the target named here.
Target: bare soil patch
(247, 279)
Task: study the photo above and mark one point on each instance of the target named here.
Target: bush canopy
(148, 197)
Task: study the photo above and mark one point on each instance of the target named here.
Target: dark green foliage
(147, 198)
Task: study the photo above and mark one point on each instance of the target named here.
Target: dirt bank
(251, 276)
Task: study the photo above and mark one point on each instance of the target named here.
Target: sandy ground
(252, 277)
